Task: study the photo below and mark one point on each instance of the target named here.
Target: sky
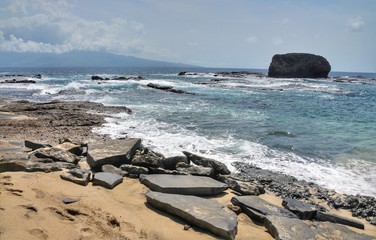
(209, 33)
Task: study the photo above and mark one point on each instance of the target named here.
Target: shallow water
(318, 130)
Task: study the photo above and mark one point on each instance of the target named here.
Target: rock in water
(203, 213)
(299, 65)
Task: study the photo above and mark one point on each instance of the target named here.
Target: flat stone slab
(288, 228)
(107, 180)
(304, 210)
(115, 152)
(321, 216)
(257, 208)
(203, 213)
(296, 229)
(183, 184)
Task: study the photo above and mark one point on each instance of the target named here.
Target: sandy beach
(31, 205)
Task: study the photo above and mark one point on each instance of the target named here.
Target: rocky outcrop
(181, 184)
(287, 186)
(299, 65)
(203, 213)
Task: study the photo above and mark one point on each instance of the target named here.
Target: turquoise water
(318, 130)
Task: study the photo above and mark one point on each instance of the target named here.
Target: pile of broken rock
(181, 186)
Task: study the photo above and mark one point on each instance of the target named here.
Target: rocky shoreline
(59, 138)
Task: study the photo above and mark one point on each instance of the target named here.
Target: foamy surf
(172, 139)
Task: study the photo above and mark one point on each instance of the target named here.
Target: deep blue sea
(319, 130)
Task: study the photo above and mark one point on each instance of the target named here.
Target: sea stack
(299, 65)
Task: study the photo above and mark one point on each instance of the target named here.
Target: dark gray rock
(284, 228)
(133, 171)
(107, 180)
(167, 88)
(115, 152)
(112, 169)
(35, 145)
(321, 216)
(170, 163)
(56, 154)
(327, 230)
(257, 208)
(96, 78)
(197, 171)
(78, 176)
(305, 211)
(219, 168)
(296, 229)
(203, 213)
(148, 159)
(299, 65)
(70, 200)
(183, 184)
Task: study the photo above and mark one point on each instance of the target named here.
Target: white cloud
(355, 24)
(277, 41)
(251, 39)
(74, 33)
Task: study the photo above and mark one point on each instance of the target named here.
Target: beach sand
(31, 205)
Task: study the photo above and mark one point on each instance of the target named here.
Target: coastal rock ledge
(299, 65)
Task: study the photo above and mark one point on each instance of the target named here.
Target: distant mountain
(79, 59)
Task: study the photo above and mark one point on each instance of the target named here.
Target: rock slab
(203, 213)
(183, 184)
(296, 229)
(321, 216)
(257, 208)
(299, 65)
(107, 180)
(305, 211)
(115, 152)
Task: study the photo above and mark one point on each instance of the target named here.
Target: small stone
(187, 227)
(107, 180)
(70, 200)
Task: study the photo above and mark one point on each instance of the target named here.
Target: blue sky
(212, 33)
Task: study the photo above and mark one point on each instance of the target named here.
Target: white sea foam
(172, 139)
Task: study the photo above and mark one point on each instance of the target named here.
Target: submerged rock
(299, 65)
(183, 184)
(203, 213)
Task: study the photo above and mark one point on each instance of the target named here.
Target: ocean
(319, 130)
